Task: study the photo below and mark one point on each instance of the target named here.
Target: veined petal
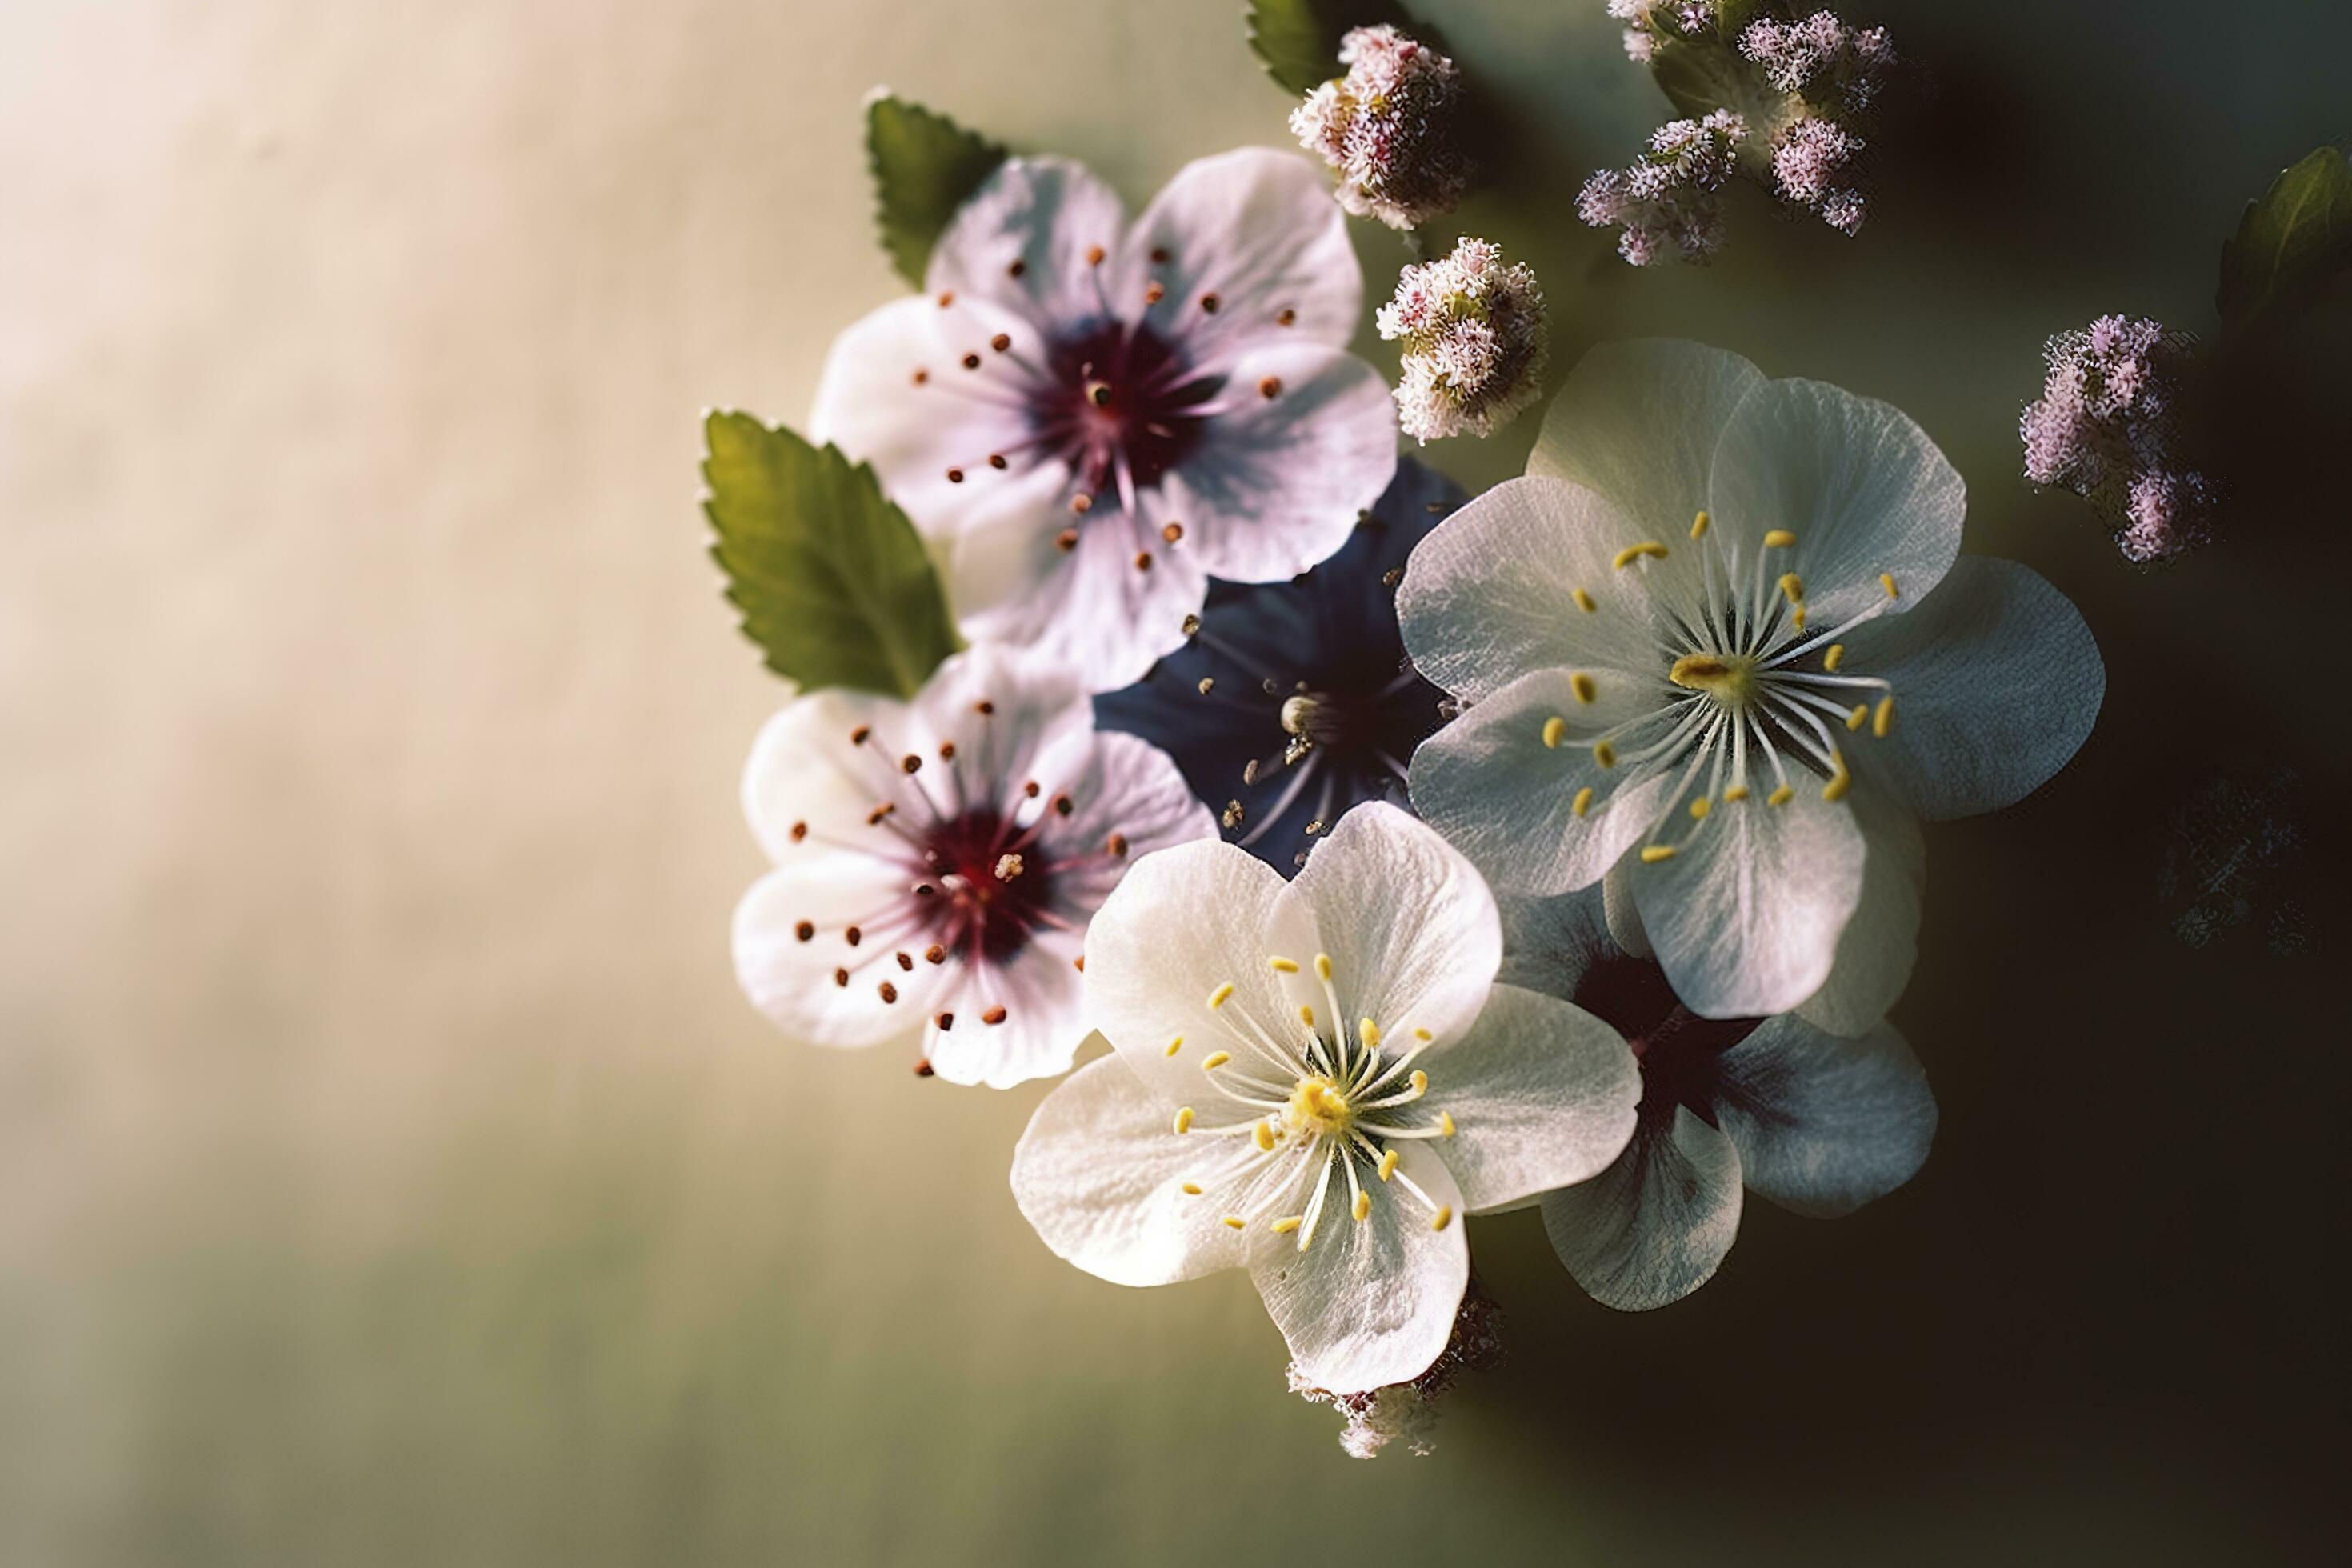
(1101, 1177)
(804, 773)
(1278, 482)
(1541, 1093)
(1865, 492)
(821, 989)
(1996, 682)
(1507, 800)
(1053, 217)
(1041, 1028)
(1744, 917)
(1127, 799)
(1824, 1125)
(1259, 230)
(1656, 1224)
(1881, 941)
(1498, 589)
(1368, 1301)
(1407, 922)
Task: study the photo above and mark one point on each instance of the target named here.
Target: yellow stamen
(1840, 780)
(1184, 1120)
(1797, 617)
(1779, 538)
(1581, 684)
(1701, 806)
(1214, 1061)
(1835, 656)
(1583, 600)
(1584, 801)
(1605, 754)
(1363, 1206)
(1191, 1189)
(1445, 1122)
(1263, 1135)
(1699, 526)
(1282, 965)
(1731, 679)
(1444, 1217)
(1175, 1045)
(1781, 797)
(1854, 720)
(1422, 1035)
(1884, 719)
(1323, 966)
(1307, 1016)
(1653, 853)
(1420, 1081)
(1886, 581)
(1554, 730)
(1388, 1165)
(1369, 1033)
(1737, 792)
(1288, 1224)
(1236, 1221)
(1792, 587)
(1217, 997)
(1632, 552)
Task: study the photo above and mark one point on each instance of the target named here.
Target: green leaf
(832, 579)
(925, 165)
(1700, 78)
(2291, 244)
(1299, 39)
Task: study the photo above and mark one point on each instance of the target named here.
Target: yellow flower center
(1729, 678)
(1320, 1107)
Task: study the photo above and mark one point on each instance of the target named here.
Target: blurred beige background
(389, 1169)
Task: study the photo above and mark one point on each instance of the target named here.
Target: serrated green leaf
(1299, 39)
(832, 579)
(2290, 243)
(925, 165)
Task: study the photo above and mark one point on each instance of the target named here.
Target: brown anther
(1210, 302)
(1143, 561)
(983, 707)
(911, 763)
(1094, 254)
(907, 960)
(805, 931)
(1249, 772)
(1208, 684)
(1064, 804)
(935, 954)
(1117, 844)
(1030, 789)
(924, 889)
(1082, 503)
(888, 991)
(922, 376)
(945, 1020)
(1159, 254)
(1392, 576)
(1079, 964)
(1270, 388)
(854, 935)
(800, 831)
(1099, 393)
(1154, 291)
(1191, 625)
(874, 818)
(1016, 268)
(857, 736)
(841, 978)
(947, 750)
(1231, 815)
(955, 475)
(923, 1068)
(1172, 532)
(1001, 342)
(1288, 317)
(993, 1016)
(972, 361)
(1066, 539)
(1314, 827)
(947, 298)
(997, 461)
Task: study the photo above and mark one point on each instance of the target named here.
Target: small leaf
(1700, 79)
(2291, 243)
(925, 165)
(1299, 39)
(832, 579)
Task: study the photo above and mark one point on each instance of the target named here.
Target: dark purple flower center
(1677, 1048)
(994, 884)
(1120, 397)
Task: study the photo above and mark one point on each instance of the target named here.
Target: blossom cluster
(1649, 23)
(1666, 201)
(2106, 427)
(1392, 129)
(1474, 341)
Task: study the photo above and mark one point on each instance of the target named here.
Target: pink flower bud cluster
(1820, 58)
(1391, 128)
(1666, 200)
(1809, 168)
(1474, 341)
(1649, 23)
(2105, 428)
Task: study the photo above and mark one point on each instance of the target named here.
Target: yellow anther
(1363, 1206)
(1263, 1135)
(1369, 1033)
(1886, 581)
(1581, 684)
(1653, 853)
(1632, 552)
(1554, 730)
(1737, 792)
(1420, 1081)
(1217, 998)
(1835, 656)
(1605, 754)
(1175, 1045)
(1840, 780)
(1779, 538)
(1792, 587)
(1191, 1189)
(1282, 965)
(1445, 1123)
(1214, 1061)
(1184, 1120)
(1884, 719)
(1323, 966)
(1236, 1221)
(1307, 1014)
(1797, 617)
(1861, 711)
(1701, 806)
(1583, 600)
(1584, 801)
(1698, 527)
(1422, 1035)
(1388, 1165)
(1781, 797)
(1729, 678)
(1442, 1217)
(1288, 1223)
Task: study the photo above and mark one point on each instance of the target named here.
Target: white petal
(1881, 941)
(1548, 941)
(1859, 484)
(1824, 1125)
(1183, 923)
(1047, 214)
(1541, 1093)
(804, 772)
(1492, 594)
(1655, 1226)
(1001, 708)
(1260, 231)
(1997, 683)
(1368, 1302)
(1408, 923)
(1745, 918)
(1278, 484)
(799, 984)
(1507, 800)
(1101, 1175)
(1638, 421)
(870, 404)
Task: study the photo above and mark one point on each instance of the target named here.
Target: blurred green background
(390, 1172)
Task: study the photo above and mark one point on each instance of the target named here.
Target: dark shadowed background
(390, 1172)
